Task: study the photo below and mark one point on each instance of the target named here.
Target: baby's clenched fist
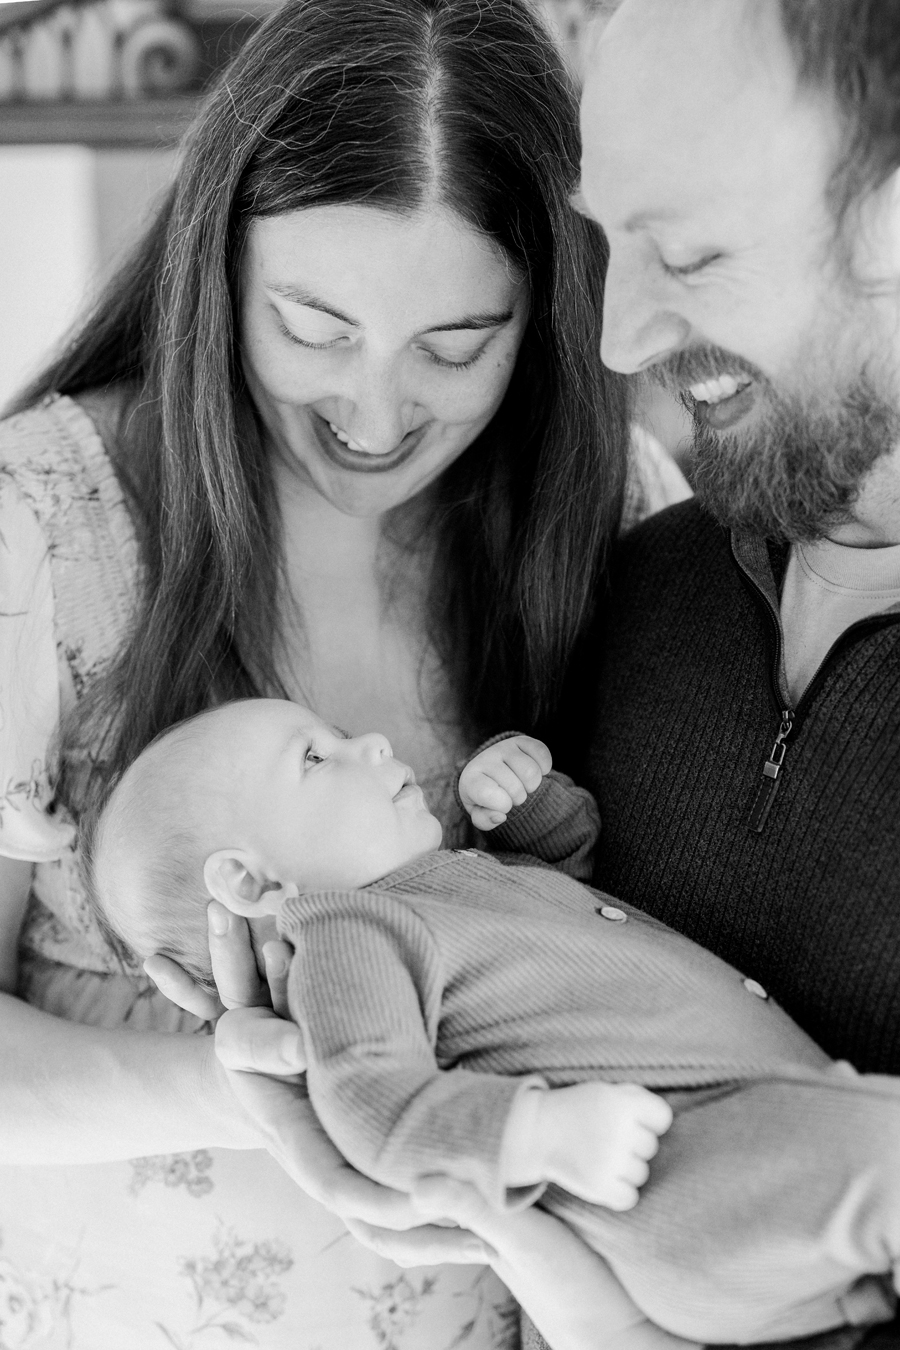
(501, 777)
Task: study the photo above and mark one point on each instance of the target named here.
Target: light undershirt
(828, 587)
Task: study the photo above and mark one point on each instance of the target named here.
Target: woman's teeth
(715, 391)
(345, 439)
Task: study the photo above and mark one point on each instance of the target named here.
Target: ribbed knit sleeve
(558, 823)
(365, 987)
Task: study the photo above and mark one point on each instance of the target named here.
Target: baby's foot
(606, 1134)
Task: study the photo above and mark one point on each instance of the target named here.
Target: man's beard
(796, 472)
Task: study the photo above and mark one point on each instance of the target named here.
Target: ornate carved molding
(98, 50)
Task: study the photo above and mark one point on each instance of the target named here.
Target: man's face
(708, 167)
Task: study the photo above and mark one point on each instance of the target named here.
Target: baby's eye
(312, 756)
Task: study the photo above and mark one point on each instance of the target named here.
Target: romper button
(754, 987)
(614, 915)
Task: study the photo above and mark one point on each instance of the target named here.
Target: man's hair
(850, 49)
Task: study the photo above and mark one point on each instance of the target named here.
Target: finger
(635, 1172)
(178, 986)
(646, 1143)
(438, 1196)
(277, 956)
(487, 820)
(502, 776)
(655, 1112)
(426, 1246)
(622, 1196)
(233, 962)
(525, 767)
(537, 750)
(484, 790)
(254, 1040)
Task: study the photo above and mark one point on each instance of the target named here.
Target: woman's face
(376, 345)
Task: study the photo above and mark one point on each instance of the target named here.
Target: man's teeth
(714, 391)
(342, 436)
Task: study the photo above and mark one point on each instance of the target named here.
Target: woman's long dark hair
(394, 104)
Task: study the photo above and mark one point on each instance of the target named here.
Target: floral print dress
(193, 1251)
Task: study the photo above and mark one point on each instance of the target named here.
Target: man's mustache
(694, 365)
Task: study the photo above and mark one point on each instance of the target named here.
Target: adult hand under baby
(567, 1290)
(262, 1055)
(238, 979)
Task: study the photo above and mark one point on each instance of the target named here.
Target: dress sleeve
(29, 688)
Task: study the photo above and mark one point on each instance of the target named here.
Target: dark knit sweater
(689, 700)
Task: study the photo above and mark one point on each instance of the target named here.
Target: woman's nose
(381, 411)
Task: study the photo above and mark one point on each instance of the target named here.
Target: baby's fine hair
(145, 848)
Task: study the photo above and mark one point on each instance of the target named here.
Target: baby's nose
(373, 747)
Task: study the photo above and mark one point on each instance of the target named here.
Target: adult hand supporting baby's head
(234, 968)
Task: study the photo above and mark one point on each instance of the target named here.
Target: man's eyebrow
(300, 296)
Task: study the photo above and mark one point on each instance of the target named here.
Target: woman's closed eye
(454, 363)
(321, 346)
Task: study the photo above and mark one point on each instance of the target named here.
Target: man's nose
(381, 410)
(640, 325)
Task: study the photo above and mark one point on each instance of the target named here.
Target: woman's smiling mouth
(345, 454)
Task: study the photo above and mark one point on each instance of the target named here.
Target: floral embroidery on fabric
(239, 1284)
(20, 792)
(190, 1170)
(35, 1304)
(496, 1319)
(395, 1307)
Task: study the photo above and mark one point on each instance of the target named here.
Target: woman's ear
(234, 879)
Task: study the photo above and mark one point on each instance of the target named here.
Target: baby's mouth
(724, 400)
(409, 781)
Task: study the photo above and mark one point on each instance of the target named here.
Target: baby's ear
(233, 878)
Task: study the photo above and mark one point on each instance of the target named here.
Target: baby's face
(317, 807)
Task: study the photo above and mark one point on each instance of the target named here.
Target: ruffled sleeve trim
(29, 688)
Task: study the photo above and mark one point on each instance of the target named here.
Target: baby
(488, 1016)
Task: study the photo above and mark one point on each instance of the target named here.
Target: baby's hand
(501, 777)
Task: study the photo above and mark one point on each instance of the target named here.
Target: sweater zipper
(790, 717)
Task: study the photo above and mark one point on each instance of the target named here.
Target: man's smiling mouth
(721, 402)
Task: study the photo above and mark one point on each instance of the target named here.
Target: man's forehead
(690, 98)
(667, 62)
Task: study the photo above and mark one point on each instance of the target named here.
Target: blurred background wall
(67, 213)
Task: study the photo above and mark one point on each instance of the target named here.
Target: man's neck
(876, 514)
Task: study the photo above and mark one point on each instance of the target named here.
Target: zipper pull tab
(765, 795)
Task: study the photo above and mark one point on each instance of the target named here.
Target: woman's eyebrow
(300, 296)
(485, 320)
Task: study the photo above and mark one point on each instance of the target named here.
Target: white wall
(66, 215)
(48, 251)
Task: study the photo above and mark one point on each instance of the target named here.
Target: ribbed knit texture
(685, 720)
(428, 1000)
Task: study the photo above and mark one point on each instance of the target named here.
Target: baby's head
(249, 803)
